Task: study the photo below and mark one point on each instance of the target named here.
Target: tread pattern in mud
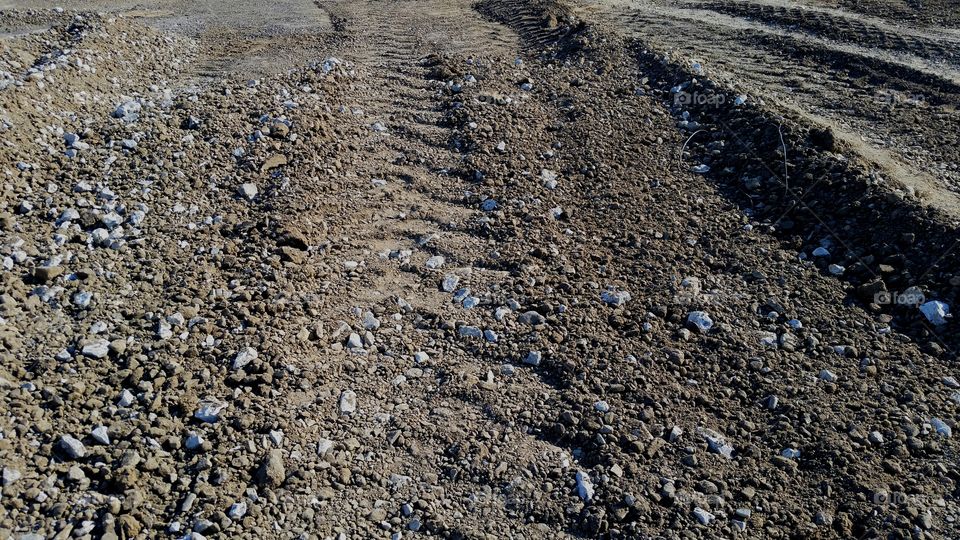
(837, 28)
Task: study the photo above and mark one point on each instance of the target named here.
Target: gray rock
(101, 435)
(10, 476)
(99, 348)
(248, 191)
(272, 472)
(614, 297)
(533, 358)
(244, 357)
(532, 318)
(209, 412)
(703, 516)
(348, 402)
(470, 332)
(449, 283)
(72, 447)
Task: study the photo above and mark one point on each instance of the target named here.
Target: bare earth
(504, 269)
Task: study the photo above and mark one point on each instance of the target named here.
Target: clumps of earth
(425, 288)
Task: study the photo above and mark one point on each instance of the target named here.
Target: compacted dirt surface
(505, 269)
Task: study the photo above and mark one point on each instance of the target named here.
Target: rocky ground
(470, 272)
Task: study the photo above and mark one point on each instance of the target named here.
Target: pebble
(936, 312)
(126, 399)
(533, 358)
(828, 376)
(470, 332)
(941, 427)
(101, 435)
(272, 472)
(450, 282)
(348, 402)
(72, 447)
(237, 510)
(10, 476)
(193, 441)
(532, 318)
(584, 486)
(370, 322)
(716, 443)
(615, 298)
(354, 341)
(248, 191)
(244, 357)
(96, 349)
(700, 320)
(703, 516)
(209, 412)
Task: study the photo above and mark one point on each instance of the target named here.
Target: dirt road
(513, 269)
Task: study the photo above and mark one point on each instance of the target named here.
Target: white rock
(370, 322)
(450, 282)
(936, 312)
(128, 110)
(828, 376)
(237, 510)
(244, 357)
(209, 411)
(72, 447)
(324, 446)
(126, 398)
(82, 299)
(615, 298)
(348, 402)
(10, 476)
(420, 357)
(249, 191)
(164, 330)
(700, 320)
(584, 486)
(703, 516)
(101, 435)
(436, 262)
(99, 348)
(941, 427)
(716, 443)
(601, 406)
(821, 252)
(354, 341)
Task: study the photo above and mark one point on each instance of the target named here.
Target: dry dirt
(505, 269)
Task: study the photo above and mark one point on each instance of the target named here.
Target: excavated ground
(396, 268)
